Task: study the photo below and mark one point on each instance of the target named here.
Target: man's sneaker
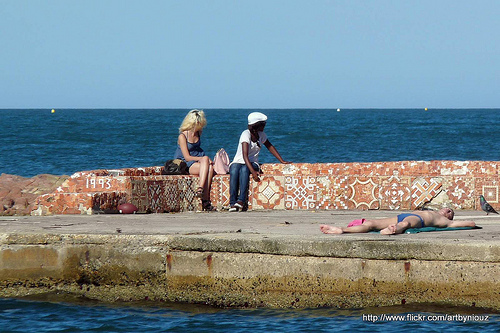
(236, 207)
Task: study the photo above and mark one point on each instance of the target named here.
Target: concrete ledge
(299, 246)
(255, 260)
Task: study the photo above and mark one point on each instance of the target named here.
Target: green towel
(427, 229)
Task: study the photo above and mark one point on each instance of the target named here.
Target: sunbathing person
(398, 224)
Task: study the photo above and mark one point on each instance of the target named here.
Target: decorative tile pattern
(488, 186)
(340, 193)
(324, 192)
(187, 190)
(460, 191)
(155, 195)
(300, 192)
(490, 193)
(423, 190)
(220, 190)
(364, 193)
(139, 195)
(171, 196)
(380, 185)
(395, 192)
(269, 193)
(333, 193)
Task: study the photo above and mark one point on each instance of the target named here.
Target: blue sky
(249, 54)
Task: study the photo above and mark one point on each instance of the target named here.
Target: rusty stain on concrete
(169, 262)
(407, 266)
(209, 264)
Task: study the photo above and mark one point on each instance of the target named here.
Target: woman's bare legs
(204, 169)
(206, 191)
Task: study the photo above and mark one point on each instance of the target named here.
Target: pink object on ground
(356, 222)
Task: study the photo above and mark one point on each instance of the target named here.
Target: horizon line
(245, 108)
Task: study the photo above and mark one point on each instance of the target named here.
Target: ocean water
(67, 141)
(37, 141)
(42, 316)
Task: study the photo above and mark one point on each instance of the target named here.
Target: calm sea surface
(67, 141)
(31, 316)
(38, 141)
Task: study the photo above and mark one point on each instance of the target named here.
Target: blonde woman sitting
(189, 150)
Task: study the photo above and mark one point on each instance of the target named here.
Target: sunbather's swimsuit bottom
(401, 217)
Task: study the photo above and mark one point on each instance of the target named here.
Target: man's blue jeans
(238, 182)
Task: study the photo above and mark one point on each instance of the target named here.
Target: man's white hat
(255, 117)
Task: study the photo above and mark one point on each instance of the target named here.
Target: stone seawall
(252, 270)
(322, 186)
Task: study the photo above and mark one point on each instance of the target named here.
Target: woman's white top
(253, 147)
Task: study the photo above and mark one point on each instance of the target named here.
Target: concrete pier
(271, 258)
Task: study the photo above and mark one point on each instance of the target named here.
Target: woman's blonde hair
(194, 120)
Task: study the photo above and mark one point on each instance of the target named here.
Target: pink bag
(221, 162)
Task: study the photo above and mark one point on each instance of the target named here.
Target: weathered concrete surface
(261, 258)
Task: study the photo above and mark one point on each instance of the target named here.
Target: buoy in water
(425, 109)
(53, 111)
(338, 110)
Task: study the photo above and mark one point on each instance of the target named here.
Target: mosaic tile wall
(401, 185)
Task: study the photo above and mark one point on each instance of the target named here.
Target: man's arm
(439, 221)
(274, 151)
(244, 148)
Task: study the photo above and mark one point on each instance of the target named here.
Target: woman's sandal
(206, 205)
(199, 192)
